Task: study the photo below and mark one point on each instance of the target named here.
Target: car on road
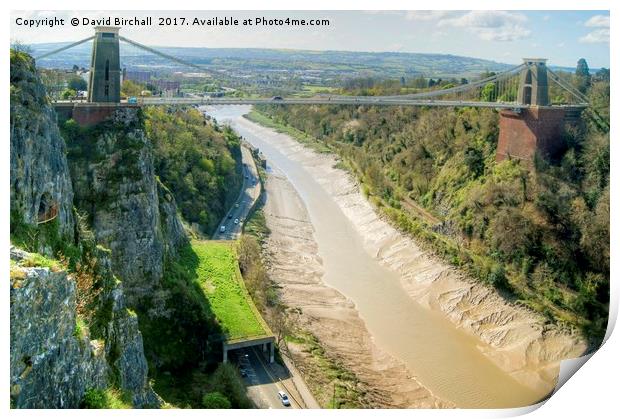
(236, 221)
(222, 229)
(277, 98)
(229, 216)
(236, 205)
(284, 398)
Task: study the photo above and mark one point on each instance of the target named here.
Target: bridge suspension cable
(66, 47)
(163, 54)
(567, 87)
(468, 87)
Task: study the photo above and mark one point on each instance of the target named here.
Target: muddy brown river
(447, 360)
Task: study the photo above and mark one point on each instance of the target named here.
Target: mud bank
(295, 265)
(516, 339)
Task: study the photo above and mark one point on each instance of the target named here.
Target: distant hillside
(347, 63)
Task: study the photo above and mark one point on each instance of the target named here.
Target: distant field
(220, 279)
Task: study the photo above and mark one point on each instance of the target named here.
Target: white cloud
(598, 21)
(598, 35)
(595, 37)
(491, 25)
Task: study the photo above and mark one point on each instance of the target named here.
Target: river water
(445, 359)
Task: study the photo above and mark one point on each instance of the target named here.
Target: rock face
(53, 359)
(123, 342)
(39, 174)
(132, 213)
(51, 364)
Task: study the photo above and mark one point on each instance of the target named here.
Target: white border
(591, 392)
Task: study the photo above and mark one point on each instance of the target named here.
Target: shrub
(215, 400)
(110, 398)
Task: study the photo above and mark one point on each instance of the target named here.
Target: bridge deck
(352, 100)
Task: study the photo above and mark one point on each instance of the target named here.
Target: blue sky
(506, 36)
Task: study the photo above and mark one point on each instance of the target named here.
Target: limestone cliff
(130, 211)
(55, 356)
(54, 361)
(51, 364)
(40, 182)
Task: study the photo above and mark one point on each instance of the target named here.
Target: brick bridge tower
(105, 67)
(537, 128)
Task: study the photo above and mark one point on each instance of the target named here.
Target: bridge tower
(536, 129)
(533, 86)
(105, 69)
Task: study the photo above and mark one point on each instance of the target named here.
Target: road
(250, 192)
(263, 381)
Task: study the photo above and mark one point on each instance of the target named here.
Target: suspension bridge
(534, 102)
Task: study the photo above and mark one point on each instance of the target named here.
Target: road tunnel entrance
(266, 345)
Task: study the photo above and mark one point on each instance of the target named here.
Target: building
(138, 76)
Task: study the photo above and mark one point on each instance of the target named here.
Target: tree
(77, 83)
(488, 93)
(68, 94)
(131, 88)
(602, 75)
(215, 400)
(226, 380)
(582, 75)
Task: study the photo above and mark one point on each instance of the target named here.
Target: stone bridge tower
(105, 70)
(537, 129)
(533, 86)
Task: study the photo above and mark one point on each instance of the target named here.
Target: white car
(284, 398)
(236, 221)
(222, 229)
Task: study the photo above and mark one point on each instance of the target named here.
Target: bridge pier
(537, 128)
(89, 114)
(534, 130)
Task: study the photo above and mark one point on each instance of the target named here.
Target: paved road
(264, 381)
(250, 192)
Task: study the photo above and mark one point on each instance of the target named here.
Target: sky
(504, 36)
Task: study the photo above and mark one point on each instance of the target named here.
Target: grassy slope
(220, 279)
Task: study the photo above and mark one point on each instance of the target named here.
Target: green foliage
(77, 83)
(488, 93)
(177, 323)
(226, 380)
(81, 330)
(219, 277)
(540, 235)
(110, 398)
(215, 400)
(68, 94)
(333, 385)
(197, 161)
(44, 238)
(131, 88)
(582, 75)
